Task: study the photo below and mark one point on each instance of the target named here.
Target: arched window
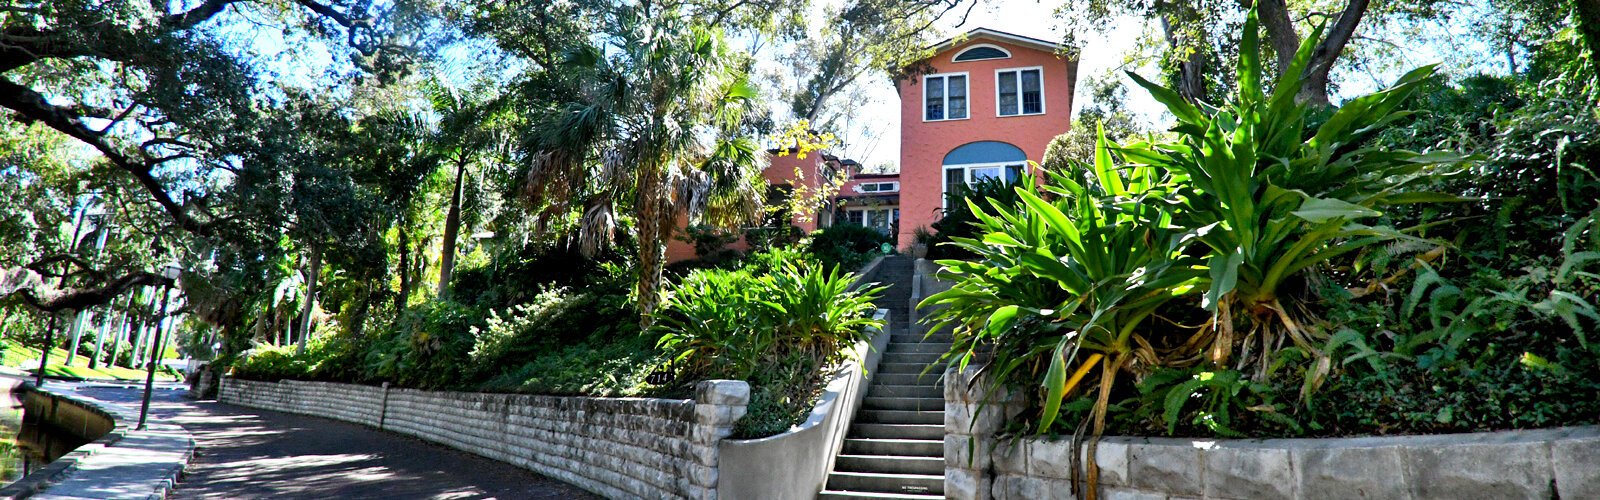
(981, 52)
(976, 161)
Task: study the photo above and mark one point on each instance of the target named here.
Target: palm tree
(650, 124)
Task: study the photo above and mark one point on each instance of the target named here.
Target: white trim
(891, 211)
(1018, 72)
(981, 45)
(923, 104)
(894, 186)
(966, 175)
(1000, 36)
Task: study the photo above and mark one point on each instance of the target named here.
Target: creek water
(25, 444)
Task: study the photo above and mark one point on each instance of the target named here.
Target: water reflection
(24, 444)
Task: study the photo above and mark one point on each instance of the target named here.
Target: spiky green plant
(1270, 198)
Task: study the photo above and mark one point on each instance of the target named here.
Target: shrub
(778, 331)
(556, 317)
(848, 245)
(270, 364)
(959, 221)
(429, 346)
(600, 366)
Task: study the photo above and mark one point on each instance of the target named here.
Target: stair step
(892, 403)
(929, 379)
(890, 356)
(889, 464)
(897, 431)
(920, 347)
(911, 368)
(896, 447)
(918, 338)
(850, 495)
(906, 391)
(900, 416)
(919, 484)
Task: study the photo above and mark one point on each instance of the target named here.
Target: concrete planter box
(795, 464)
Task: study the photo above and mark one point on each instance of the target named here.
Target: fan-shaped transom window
(981, 52)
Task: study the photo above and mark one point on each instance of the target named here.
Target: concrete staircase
(895, 448)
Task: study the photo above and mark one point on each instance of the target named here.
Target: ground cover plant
(1275, 269)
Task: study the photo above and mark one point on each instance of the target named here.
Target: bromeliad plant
(1067, 285)
(1239, 209)
(1270, 199)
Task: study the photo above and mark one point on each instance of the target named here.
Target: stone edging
(123, 463)
(1542, 463)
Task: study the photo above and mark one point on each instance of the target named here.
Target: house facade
(985, 104)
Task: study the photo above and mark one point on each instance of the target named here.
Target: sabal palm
(652, 129)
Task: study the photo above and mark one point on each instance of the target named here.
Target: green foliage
(557, 317)
(959, 221)
(430, 346)
(1239, 209)
(848, 245)
(779, 331)
(599, 366)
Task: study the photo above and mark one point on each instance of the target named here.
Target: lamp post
(171, 274)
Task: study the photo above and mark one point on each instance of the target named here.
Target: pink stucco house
(984, 105)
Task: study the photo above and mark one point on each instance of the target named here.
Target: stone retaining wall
(1546, 463)
(615, 447)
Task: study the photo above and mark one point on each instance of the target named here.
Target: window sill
(925, 120)
(1041, 113)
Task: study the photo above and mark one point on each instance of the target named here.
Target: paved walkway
(250, 453)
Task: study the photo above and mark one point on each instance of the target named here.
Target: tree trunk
(77, 335)
(1274, 16)
(1589, 27)
(1190, 79)
(405, 268)
(100, 338)
(313, 274)
(452, 228)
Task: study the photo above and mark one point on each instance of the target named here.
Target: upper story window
(981, 52)
(878, 187)
(944, 97)
(1020, 91)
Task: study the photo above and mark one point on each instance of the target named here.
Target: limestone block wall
(1546, 463)
(615, 447)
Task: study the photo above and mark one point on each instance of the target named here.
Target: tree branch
(33, 107)
(199, 14)
(77, 300)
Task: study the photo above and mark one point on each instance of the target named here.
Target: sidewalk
(249, 453)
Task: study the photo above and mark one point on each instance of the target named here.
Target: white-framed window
(972, 173)
(883, 219)
(981, 52)
(944, 97)
(1019, 91)
(878, 187)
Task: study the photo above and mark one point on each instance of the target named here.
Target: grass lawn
(20, 358)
